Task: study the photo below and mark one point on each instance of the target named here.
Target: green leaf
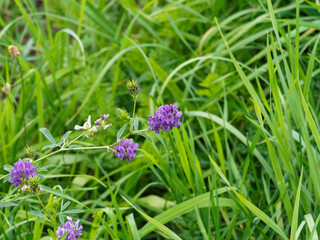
(61, 218)
(295, 216)
(65, 206)
(49, 146)
(52, 234)
(264, 217)
(132, 227)
(74, 146)
(74, 211)
(95, 225)
(7, 167)
(121, 131)
(64, 138)
(145, 136)
(202, 201)
(42, 220)
(48, 135)
(40, 176)
(157, 224)
(313, 5)
(8, 204)
(135, 124)
(39, 214)
(6, 179)
(312, 226)
(73, 34)
(57, 193)
(46, 167)
(64, 236)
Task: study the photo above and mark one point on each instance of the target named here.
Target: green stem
(23, 110)
(82, 148)
(134, 111)
(11, 200)
(134, 107)
(40, 200)
(76, 138)
(87, 148)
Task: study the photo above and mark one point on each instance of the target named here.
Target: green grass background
(245, 74)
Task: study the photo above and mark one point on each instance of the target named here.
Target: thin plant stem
(134, 111)
(76, 138)
(62, 149)
(13, 199)
(134, 107)
(40, 200)
(23, 105)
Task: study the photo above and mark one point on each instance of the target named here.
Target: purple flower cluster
(72, 228)
(165, 118)
(21, 171)
(126, 149)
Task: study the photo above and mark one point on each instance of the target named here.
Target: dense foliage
(205, 119)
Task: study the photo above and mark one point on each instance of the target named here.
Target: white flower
(106, 126)
(85, 126)
(25, 188)
(93, 129)
(6, 88)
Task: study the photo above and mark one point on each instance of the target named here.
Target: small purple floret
(165, 118)
(102, 121)
(104, 117)
(73, 229)
(21, 171)
(126, 149)
(97, 122)
(135, 91)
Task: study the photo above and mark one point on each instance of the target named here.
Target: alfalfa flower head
(165, 118)
(22, 171)
(126, 149)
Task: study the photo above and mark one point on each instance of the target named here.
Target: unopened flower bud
(14, 51)
(124, 115)
(33, 182)
(133, 87)
(52, 206)
(29, 152)
(55, 202)
(6, 88)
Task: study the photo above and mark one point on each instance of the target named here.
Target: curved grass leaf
(8, 204)
(156, 223)
(260, 214)
(201, 201)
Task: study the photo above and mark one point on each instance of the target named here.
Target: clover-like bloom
(165, 118)
(86, 125)
(21, 171)
(72, 228)
(126, 149)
